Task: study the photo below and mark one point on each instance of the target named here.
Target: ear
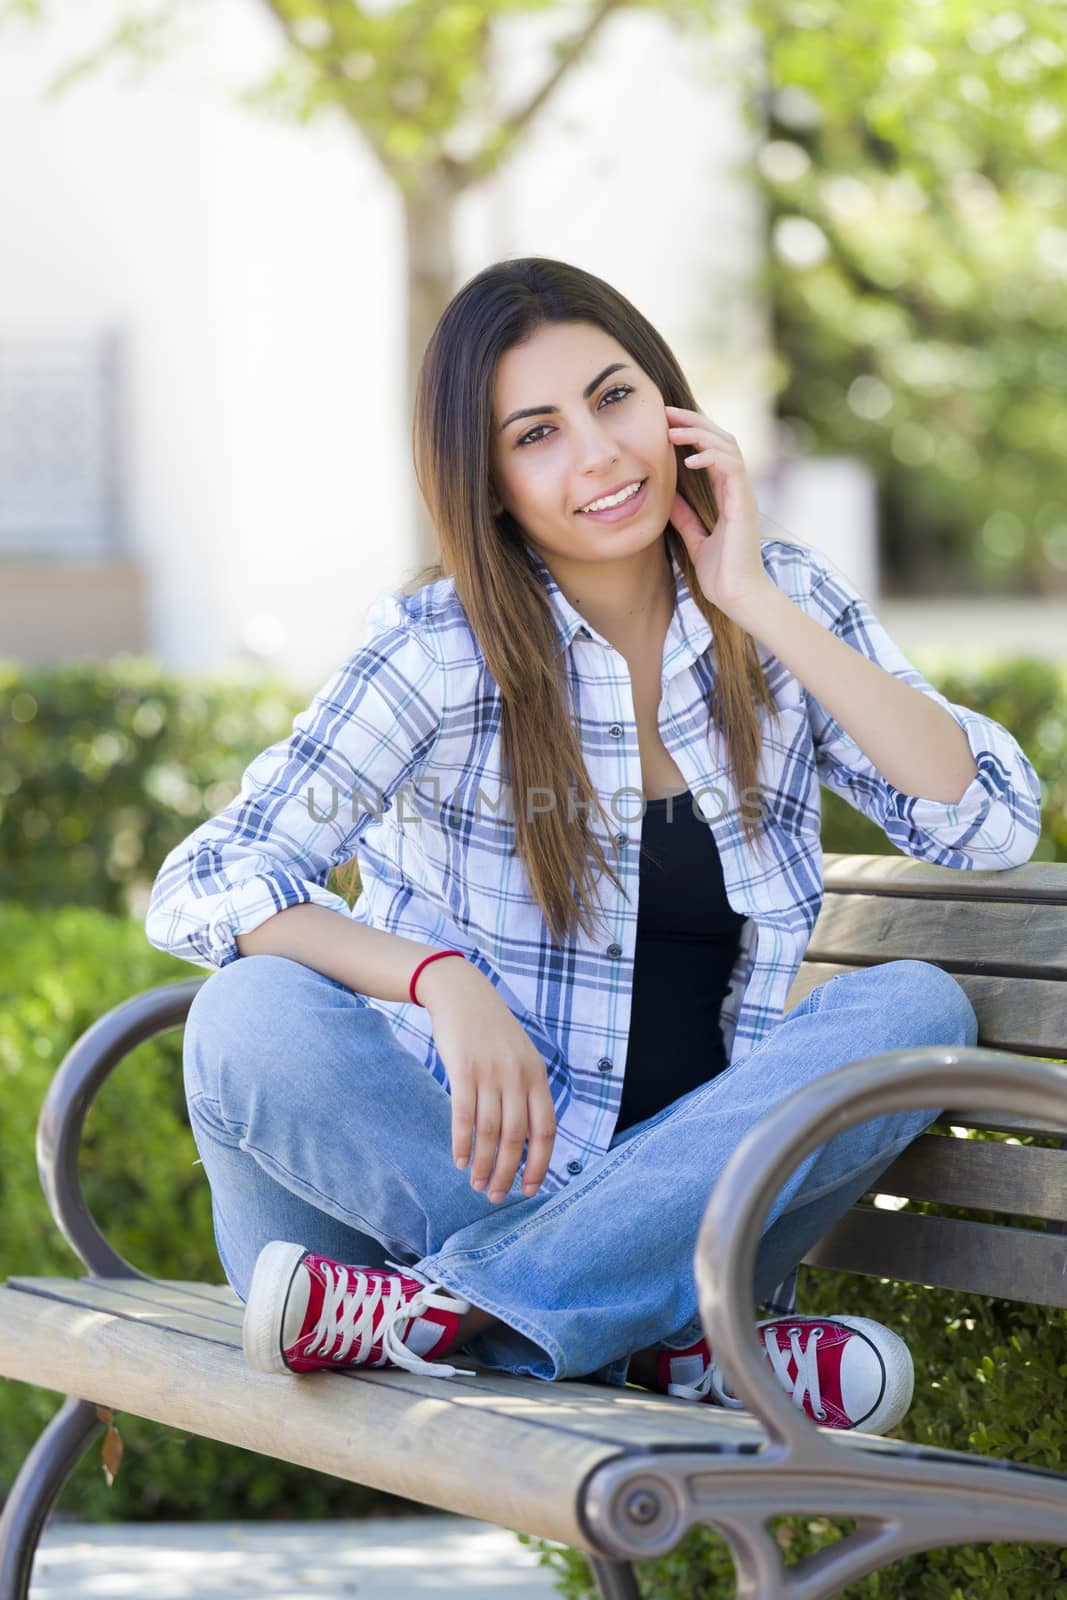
(494, 505)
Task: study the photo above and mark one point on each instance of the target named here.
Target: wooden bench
(623, 1474)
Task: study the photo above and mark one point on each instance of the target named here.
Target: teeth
(614, 499)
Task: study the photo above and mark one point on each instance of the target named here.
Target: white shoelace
(807, 1365)
(693, 1391)
(807, 1368)
(348, 1313)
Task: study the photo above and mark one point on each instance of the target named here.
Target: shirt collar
(688, 636)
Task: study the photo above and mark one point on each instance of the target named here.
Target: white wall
(110, 217)
(257, 267)
(830, 502)
(253, 267)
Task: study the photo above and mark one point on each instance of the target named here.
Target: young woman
(479, 1117)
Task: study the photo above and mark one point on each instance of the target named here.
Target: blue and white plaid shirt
(413, 718)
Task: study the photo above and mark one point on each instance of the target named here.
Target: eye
(622, 389)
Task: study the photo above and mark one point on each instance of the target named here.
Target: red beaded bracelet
(435, 957)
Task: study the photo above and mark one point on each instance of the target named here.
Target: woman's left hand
(727, 561)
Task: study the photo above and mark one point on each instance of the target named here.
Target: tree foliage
(414, 78)
(913, 156)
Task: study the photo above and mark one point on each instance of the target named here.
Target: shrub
(104, 768)
(988, 1377)
(60, 971)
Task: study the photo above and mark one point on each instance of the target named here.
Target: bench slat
(625, 1419)
(188, 1308)
(943, 1253)
(1005, 937)
(435, 1440)
(1027, 1016)
(897, 874)
(981, 1175)
(968, 1117)
(206, 1310)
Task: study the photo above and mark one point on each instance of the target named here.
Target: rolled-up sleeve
(996, 822)
(306, 801)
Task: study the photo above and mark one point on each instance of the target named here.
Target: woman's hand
(498, 1080)
(728, 562)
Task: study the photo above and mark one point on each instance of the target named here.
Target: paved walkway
(376, 1558)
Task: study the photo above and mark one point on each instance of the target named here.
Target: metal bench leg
(43, 1473)
(614, 1579)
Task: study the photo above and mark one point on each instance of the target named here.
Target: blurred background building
(204, 427)
(203, 448)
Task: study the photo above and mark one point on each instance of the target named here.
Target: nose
(595, 449)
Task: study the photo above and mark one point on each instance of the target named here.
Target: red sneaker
(305, 1312)
(845, 1372)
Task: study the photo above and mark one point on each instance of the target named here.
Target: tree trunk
(430, 268)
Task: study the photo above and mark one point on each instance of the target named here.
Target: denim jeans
(314, 1124)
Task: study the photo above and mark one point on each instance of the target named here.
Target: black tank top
(687, 942)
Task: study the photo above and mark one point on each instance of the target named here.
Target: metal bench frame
(638, 1501)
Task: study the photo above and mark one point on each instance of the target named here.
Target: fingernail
(477, 1183)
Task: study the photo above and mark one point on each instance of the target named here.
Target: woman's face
(595, 430)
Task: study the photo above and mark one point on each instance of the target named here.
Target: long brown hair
(501, 592)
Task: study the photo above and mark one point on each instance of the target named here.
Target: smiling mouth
(634, 490)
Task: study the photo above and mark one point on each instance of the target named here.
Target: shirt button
(574, 1167)
(620, 838)
(614, 949)
(615, 731)
(604, 1064)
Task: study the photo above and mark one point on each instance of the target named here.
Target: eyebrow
(537, 411)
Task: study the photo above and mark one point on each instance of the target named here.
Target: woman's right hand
(498, 1080)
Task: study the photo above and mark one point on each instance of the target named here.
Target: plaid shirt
(398, 760)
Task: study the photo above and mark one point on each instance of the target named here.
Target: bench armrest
(77, 1080)
(927, 1076)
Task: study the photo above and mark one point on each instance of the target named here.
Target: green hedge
(1026, 696)
(989, 1377)
(104, 769)
(60, 971)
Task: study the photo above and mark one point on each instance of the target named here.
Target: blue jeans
(316, 1125)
